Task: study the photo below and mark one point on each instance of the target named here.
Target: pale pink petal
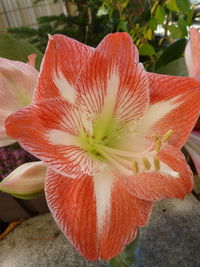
(193, 148)
(27, 181)
(17, 83)
(192, 54)
(32, 59)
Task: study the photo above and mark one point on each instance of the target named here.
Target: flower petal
(193, 148)
(73, 206)
(175, 105)
(154, 186)
(50, 131)
(32, 59)
(192, 54)
(63, 60)
(17, 83)
(26, 181)
(113, 83)
(4, 139)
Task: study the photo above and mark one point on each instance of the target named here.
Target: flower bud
(26, 181)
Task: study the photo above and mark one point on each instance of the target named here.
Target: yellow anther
(156, 162)
(154, 137)
(135, 166)
(146, 163)
(158, 145)
(167, 136)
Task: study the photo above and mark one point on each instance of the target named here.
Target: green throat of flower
(100, 138)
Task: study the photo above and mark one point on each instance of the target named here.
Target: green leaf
(153, 23)
(16, 49)
(176, 67)
(190, 17)
(31, 196)
(130, 257)
(175, 31)
(123, 26)
(171, 4)
(173, 52)
(183, 5)
(183, 26)
(160, 14)
(146, 50)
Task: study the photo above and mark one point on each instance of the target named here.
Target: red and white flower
(111, 135)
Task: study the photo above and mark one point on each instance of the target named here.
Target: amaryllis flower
(193, 147)
(17, 83)
(111, 135)
(192, 54)
(192, 59)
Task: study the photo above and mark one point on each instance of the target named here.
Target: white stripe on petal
(105, 118)
(65, 88)
(58, 137)
(156, 112)
(103, 189)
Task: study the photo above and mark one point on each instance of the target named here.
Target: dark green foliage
(17, 49)
(173, 52)
(130, 257)
(140, 19)
(77, 27)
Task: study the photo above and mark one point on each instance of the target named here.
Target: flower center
(126, 162)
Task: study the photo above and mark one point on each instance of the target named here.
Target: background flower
(17, 83)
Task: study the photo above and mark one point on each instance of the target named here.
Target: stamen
(167, 136)
(146, 163)
(135, 166)
(154, 137)
(156, 162)
(158, 145)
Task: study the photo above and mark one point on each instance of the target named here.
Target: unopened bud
(27, 181)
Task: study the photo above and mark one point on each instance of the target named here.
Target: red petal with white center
(17, 83)
(62, 62)
(73, 206)
(157, 185)
(192, 54)
(50, 130)
(174, 104)
(113, 83)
